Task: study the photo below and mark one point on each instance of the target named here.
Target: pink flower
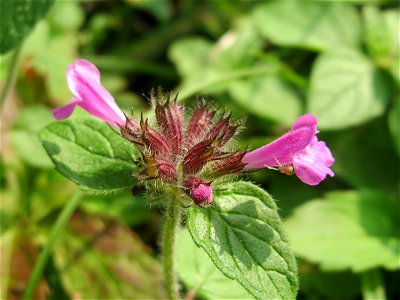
(299, 148)
(199, 190)
(83, 80)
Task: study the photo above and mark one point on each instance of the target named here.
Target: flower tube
(83, 80)
(299, 148)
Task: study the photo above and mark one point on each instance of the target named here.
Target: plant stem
(11, 75)
(170, 229)
(46, 252)
(372, 285)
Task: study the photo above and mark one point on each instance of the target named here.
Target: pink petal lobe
(282, 150)
(307, 120)
(83, 79)
(63, 112)
(312, 164)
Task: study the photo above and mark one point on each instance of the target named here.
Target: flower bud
(199, 190)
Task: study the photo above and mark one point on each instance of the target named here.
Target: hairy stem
(46, 252)
(170, 229)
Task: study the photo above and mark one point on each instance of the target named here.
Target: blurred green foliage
(270, 60)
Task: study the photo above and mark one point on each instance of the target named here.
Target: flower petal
(84, 82)
(282, 150)
(63, 112)
(312, 164)
(306, 120)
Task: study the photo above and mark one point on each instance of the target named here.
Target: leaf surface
(101, 259)
(268, 97)
(17, 19)
(347, 230)
(311, 24)
(25, 136)
(199, 273)
(90, 153)
(244, 236)
(346, 89)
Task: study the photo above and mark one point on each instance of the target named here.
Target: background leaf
(310, 24)
(346, 89)
(382, 36)
(102, 259)
(190, 54)
(377, 35)
(132, 211)
(394, 124)
(336, 232)
(210, 69)
(243, 235)
(25, 136)
(199, 273)
(18, 18)
(268, 97)
(90, 153)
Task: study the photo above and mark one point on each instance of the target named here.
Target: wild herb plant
(283, 65)
(189, 169)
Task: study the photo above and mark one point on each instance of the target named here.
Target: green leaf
(199, 274)
(161, 9)
(346, 89)
(319, 26)
(43, 48)
(267, 97)
(377, 35)
(394, 124)
(18, 18)
(189, 55)
(67, 15)
(244, 236)
(49, 193)
(392, 24)
(382, 37)
(25, 136)
(100, 259)
(210, 69)
(347, 230)
(90, 153)
(123, 207)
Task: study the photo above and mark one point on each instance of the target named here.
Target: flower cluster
(191, 157)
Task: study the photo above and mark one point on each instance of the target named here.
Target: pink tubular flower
(300, 148)
(84, 82)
